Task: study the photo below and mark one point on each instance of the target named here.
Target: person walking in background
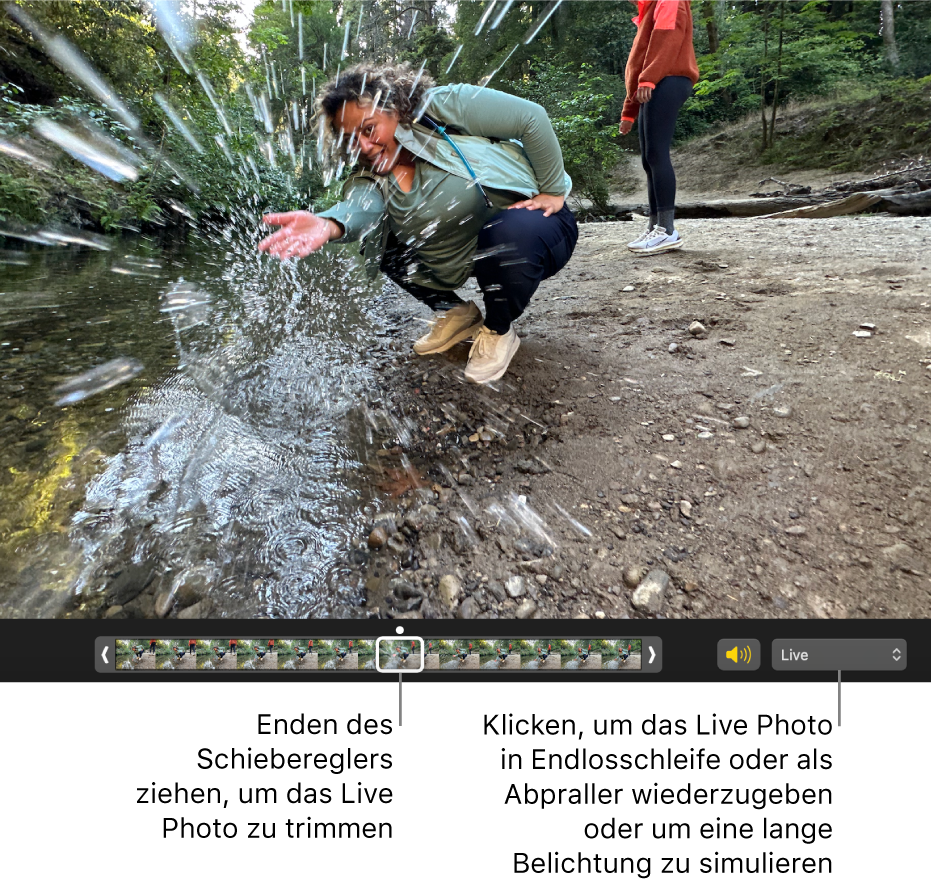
(192, 646)
(661, 71)
(152, 647)
(232, 645)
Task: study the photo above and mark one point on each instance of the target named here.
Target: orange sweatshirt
(662, 48)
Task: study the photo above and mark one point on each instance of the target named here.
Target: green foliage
(578, 103)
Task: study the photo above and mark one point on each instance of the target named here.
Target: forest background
(221, 107)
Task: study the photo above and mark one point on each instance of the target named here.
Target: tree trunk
(711, 26)
(887, 21)
(772, 123)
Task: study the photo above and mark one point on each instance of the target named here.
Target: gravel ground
(737, 429)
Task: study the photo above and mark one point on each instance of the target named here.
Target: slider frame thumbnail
(339, 655)
(404, 654)
(217, 655)
(257, 655)
(140, 655)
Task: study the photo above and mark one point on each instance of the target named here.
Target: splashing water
(102, 378)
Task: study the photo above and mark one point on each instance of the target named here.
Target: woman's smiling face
(374, 133)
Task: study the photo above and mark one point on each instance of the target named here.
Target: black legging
(516, 250)
(656, 126)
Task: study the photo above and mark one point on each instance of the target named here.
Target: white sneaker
(491, 355)
(449, 329)
(658, 241)
(634, 245)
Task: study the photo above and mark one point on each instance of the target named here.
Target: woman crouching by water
(449, 182)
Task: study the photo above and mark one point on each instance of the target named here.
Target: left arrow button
(103, 654)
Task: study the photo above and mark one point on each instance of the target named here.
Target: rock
(415, 613)
(397, 544)
(676, 464)
(631, 499)
(541, 578)
(198, 610)
(468, 608)
(632, 576)
(449, 590)
(619, 532)
(432, 541)
(673, 348)
(378, 537)
(650, 595)
(729, 342)
(697, 329)
(527, 466)
(526, 609)
(782, 411)
(189, 587)
(496, 589)
(628, 288)
(514, 586)
(130, 582)
(669, 438)
(685, 508)
(163, 603)
(599, 613)
(741, 421)
(758, 447)
(465, 479)
(114, 612)
(795, 530)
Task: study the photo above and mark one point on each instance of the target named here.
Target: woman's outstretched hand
(626, 126)
(549, 203)
(301, 234)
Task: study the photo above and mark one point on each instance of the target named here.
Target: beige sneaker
(491, 355)
(449, 329)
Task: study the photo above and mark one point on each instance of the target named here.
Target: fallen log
(847, 206)
(908, 204)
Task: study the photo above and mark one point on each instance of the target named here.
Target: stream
(217, 455)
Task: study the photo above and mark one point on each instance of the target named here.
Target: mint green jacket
(508, 141)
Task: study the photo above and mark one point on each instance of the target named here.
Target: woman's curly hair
(398, 88)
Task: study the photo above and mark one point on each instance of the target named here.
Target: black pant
(656, 126)
(516, 250)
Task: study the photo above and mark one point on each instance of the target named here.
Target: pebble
(526, 609)
(467, 609)
(676, 464)
(705, 435)
(673, 347)
(377, 538)
(742, 421)
(685, 508)
(696, 328)
(783, 412)
(796, 530)
(163, 603)
(113, 612)
(650, 595)
(669, 438)
(758, 446)
(449, 590)
(397, 545)
(863, 333)
(628, 289)
(514, 586)
(729, 342)
(599, 613)
(198, 610)
(632, 576)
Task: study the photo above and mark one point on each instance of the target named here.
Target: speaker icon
(739, 655)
